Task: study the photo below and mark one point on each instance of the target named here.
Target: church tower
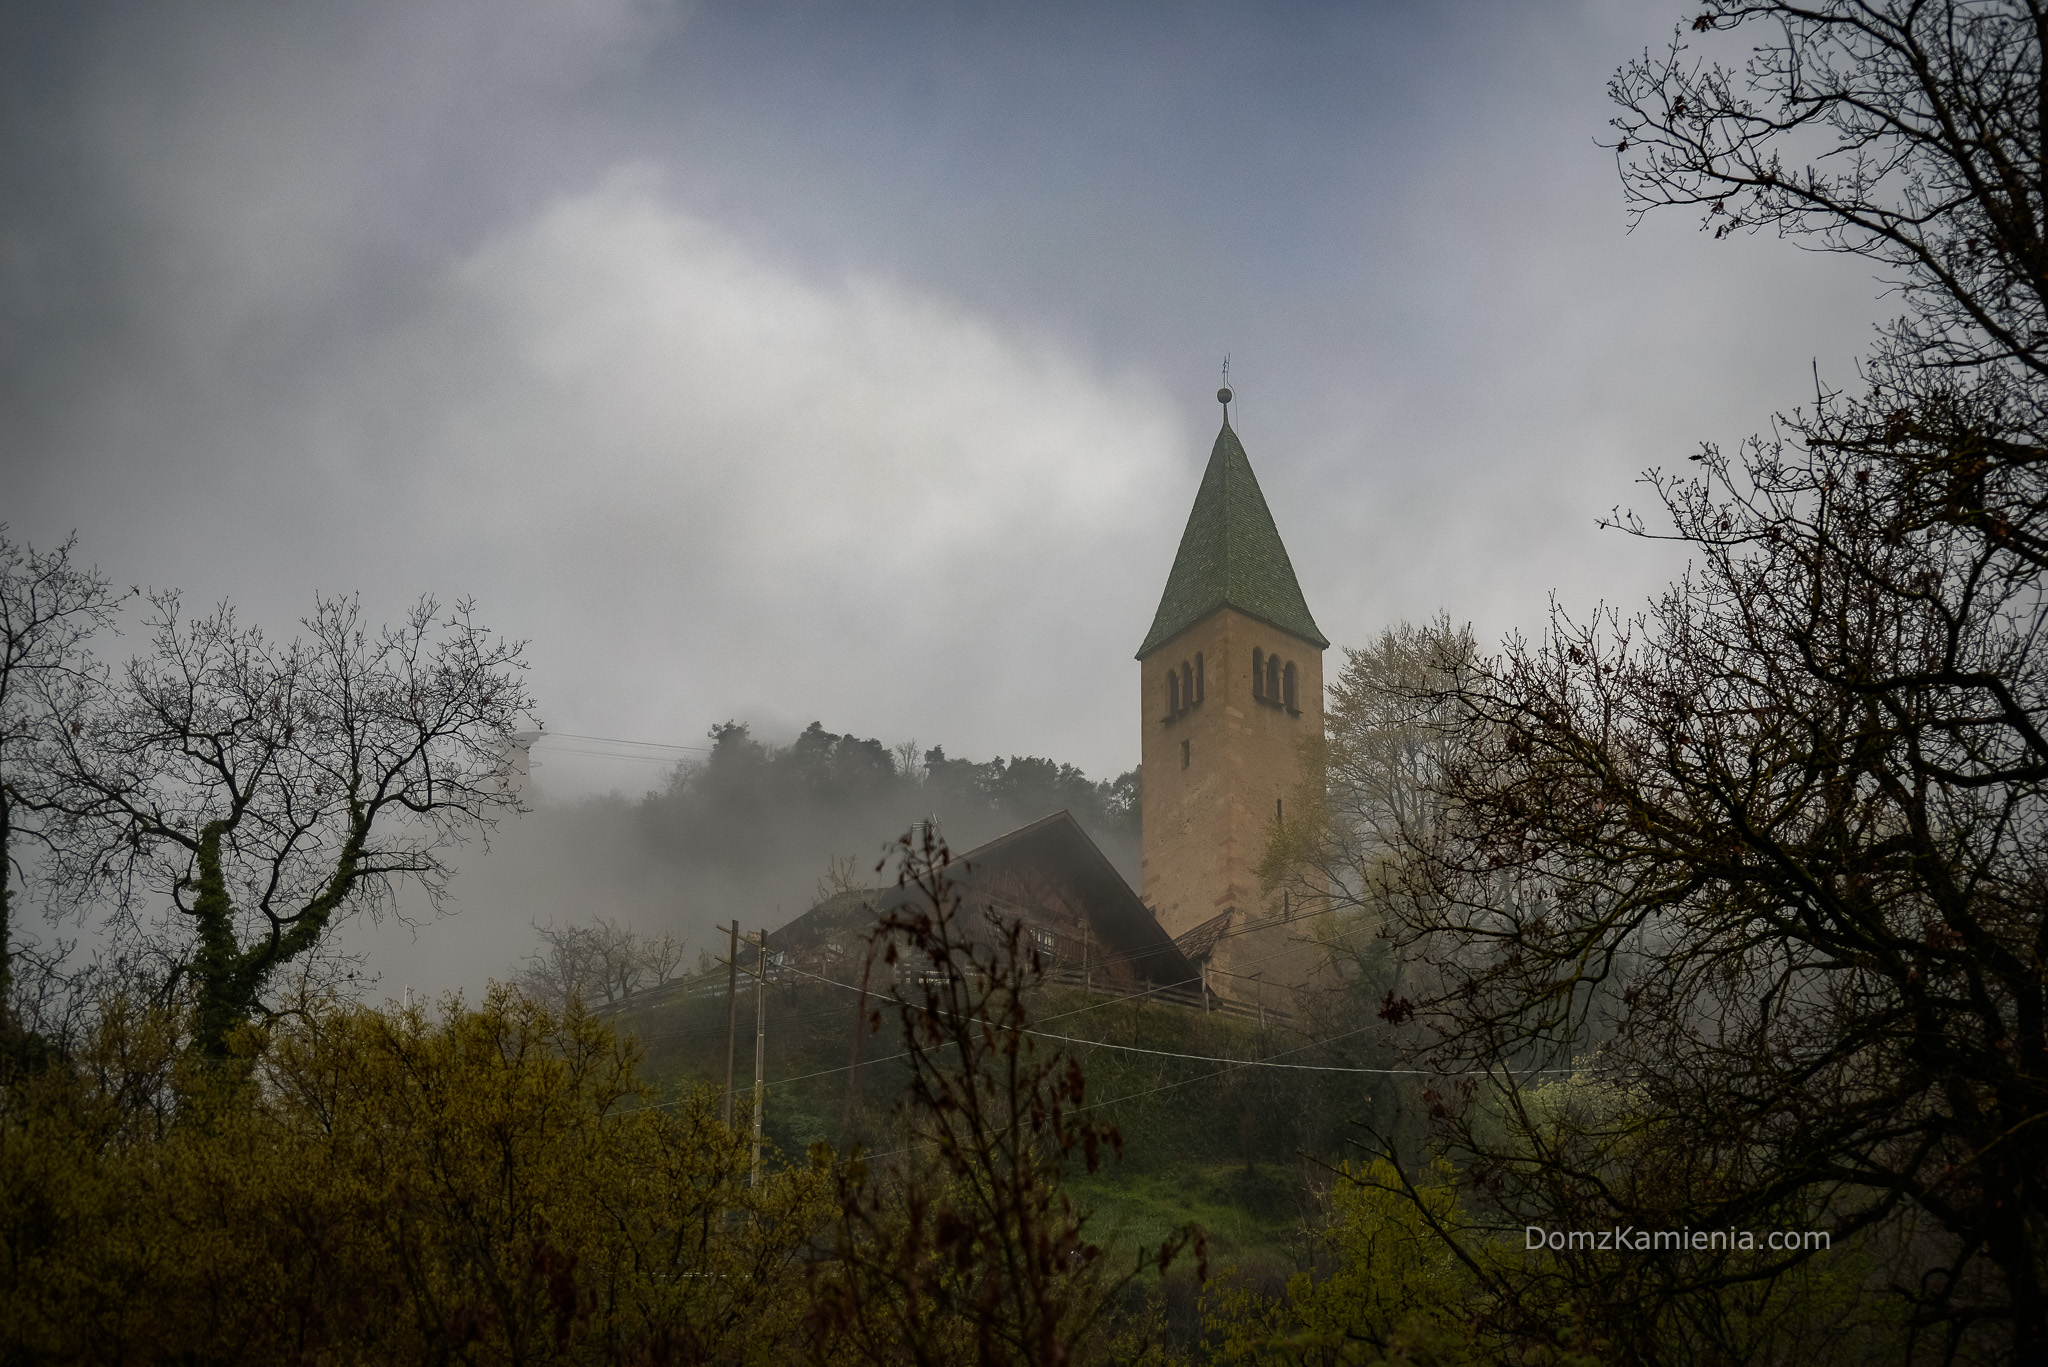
(1231, 676)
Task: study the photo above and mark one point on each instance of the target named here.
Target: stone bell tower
(1231, 678)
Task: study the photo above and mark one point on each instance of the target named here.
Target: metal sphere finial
(1223, 394)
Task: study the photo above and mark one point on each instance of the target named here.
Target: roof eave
(1205, 614)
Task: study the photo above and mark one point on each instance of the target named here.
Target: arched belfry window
(1198, 676)
(1172, 694)
(1287, 687)
(1187, 685)
(1273, 680)
(1258, 675)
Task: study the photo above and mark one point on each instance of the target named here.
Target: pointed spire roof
(1231, 555)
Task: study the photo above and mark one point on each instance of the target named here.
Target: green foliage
(1251, 1219)
(498, 1184)
(1267, 1118)
(494, 1185)
(1385, 1285)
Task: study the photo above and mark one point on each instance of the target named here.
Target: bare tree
(601, 962)
(1371, 791)
(1934, 174)
(1369, 800)
(49, 609)
(1769, 864)
(263, 791)
(842, 875)
(560, 971)
(656, 959)
(974, 1253)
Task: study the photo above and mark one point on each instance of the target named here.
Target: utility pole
(860, 1031)
(732, 1006)
(760, 1045)
(1260, 978)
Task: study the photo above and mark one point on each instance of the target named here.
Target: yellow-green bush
(490, 1185)
(1386, 1288)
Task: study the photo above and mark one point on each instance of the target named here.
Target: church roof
(1053, 853)
(1231, 555)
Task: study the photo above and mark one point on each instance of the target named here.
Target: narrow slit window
(1258, 675)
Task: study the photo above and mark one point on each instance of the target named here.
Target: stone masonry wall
(1207, 821)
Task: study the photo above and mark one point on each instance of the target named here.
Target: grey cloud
(853, 363)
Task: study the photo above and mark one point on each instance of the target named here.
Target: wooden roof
(1052, 853)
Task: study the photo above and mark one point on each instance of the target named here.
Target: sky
(856, 361)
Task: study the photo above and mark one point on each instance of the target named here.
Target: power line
(670, 756)
(1167, 987)
(665, 761)
(1243, 1062)
(850, 987)
(615, 740)
(1166, 1087)
(1232, 1063)
(669, 1035)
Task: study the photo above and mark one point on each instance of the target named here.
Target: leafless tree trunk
(262, 791)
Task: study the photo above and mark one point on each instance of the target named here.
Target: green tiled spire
(1231, 555)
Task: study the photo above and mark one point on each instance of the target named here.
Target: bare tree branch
(264, 790)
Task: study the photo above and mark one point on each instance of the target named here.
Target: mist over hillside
(766, 820)
(751, 830)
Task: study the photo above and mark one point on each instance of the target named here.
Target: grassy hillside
(1237, 1148)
